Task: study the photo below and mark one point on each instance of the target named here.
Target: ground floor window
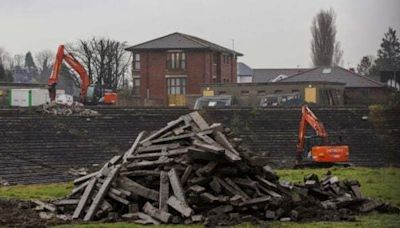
(176, 85)
(136, 87)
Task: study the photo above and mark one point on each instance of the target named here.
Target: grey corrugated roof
(180, 41)
(337, 74)
(266, 75)
(244, 70)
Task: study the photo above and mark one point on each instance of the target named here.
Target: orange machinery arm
(74, 64)
(308, 117)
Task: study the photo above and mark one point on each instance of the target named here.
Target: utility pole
(233, 44)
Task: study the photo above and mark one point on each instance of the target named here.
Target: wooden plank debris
(171, 153)
(164, 191)
(100, 195)
(163, 216)
(66, 202)
(200, 122)
(180, 206)
(44, 205)
(186, 174)
(169, 126)
(137, 189)
(85, 178)
(84, 199)
(176, 185)
(134, 146)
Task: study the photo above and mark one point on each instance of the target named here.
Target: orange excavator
(95, 94)
(318, 150)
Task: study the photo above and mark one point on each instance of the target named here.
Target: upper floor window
(136, 61)
(226, 59)
(215, 58)
(176, 60)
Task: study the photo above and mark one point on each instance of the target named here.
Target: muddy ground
(16, 213)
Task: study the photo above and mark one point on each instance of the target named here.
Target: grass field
(378, 183)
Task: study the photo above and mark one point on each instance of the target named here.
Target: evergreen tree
(31, 69)
(389, 53)
(365, 65)
(29, 62)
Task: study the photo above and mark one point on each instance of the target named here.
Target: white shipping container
(28, 97)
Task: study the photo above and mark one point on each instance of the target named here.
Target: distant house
(358, 89)
(170, 70)
(275, 74)
(244, 73)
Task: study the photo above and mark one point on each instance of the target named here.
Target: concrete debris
(193, 172)
(76, 109)
(3, 182)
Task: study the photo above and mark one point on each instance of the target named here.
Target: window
(221, 92)
(226, 59)
(261, 92)
(176, 85)
(136, 61)
(176, 60)
(278, 91)
(245, 92)
(295, 91)
(215, 58)
(136, 87)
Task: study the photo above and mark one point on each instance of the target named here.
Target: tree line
(105, 60)
(326, 50)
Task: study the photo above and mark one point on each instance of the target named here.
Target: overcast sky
(270, 34)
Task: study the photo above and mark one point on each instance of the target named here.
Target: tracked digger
(318, 150)
(89, 94)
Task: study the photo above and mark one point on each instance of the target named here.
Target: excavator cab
(332, 151)
(96, 96)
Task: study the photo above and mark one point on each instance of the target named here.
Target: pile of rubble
(193, 172)
(76, 109)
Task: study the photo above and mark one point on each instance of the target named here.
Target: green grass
(378, 183)
(37, 191)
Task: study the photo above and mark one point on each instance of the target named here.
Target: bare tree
(5, 66)
(44, 60)
(18, 60)
(5, 58)
(105, 60)
(325, 50)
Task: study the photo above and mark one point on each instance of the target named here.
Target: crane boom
(74, 64)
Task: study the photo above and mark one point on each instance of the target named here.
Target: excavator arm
(309, 118)
(74, 64)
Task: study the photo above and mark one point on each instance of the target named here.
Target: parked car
(288, 99)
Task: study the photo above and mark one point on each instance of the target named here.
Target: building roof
(244, 70)
(180, 41)
(267, 75)
(334, 74)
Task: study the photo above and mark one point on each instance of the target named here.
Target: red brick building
(170, 69)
